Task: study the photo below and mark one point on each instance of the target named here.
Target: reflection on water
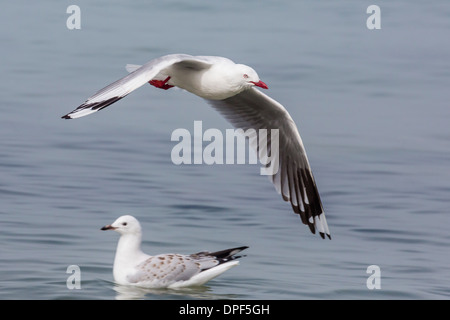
(137, 293)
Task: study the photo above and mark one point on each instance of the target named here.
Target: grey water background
(371, 106)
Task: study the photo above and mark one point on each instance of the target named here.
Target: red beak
(260, 84)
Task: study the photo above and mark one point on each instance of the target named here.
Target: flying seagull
(134, 267)
(231, 89)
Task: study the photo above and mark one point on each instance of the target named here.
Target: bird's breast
(206, 84)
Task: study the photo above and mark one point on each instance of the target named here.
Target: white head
(248, 77)
(125, 225)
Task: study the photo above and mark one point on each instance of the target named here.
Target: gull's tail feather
(222, 256)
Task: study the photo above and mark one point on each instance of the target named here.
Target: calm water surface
(371, 106)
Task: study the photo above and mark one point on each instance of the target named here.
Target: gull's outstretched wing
(252, 109)
(140, 76)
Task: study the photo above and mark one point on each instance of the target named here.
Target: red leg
(162, 84)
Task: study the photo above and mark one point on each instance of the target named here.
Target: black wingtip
(323, 235)
(312, 228)
(66, 117)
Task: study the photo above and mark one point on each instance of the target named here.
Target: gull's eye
(245, 76)
(124, 223)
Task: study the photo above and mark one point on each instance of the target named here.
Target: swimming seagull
(133, 267)
(231, 89)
